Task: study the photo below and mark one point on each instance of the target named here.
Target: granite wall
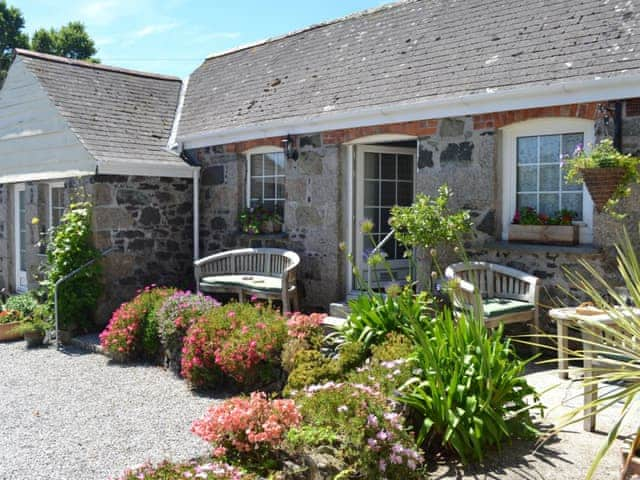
(312, 218)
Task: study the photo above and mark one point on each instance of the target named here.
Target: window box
(547, 234)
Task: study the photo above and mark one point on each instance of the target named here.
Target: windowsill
(584, 249)
(266, 236)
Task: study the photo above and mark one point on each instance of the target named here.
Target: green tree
(11, 35)
(71, 41)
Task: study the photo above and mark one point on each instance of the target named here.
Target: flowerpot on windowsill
(546, 234)
(266, 227)
(602, 183)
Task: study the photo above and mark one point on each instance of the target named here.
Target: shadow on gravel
(515, 461)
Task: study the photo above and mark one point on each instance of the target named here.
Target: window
(540, 177)
(56, 203)
(266, 181)
(533, 175)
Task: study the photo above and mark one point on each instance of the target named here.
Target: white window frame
(258, 151)
(539, 127)
(21, 282)
(52, 185)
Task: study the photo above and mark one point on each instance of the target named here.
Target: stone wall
(149, 221)
(312, 219)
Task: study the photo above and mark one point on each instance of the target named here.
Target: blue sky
(174, 36)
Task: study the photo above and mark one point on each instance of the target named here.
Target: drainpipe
(617, 125)
(196, 213)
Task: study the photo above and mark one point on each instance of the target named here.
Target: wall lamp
(289, 148)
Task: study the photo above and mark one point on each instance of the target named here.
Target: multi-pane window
(267, 181)
(388, 181)
(57, 205)
(541, 180)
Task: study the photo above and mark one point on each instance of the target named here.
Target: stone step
(333, 323)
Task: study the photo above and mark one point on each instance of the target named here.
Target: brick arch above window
(587, 111)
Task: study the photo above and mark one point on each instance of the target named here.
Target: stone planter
(634, 466)
(8, 333)
(601, 183)
(34, 339)
(546, 234)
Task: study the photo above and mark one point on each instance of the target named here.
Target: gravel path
(77, 417)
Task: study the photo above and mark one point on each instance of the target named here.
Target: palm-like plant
(615, 344)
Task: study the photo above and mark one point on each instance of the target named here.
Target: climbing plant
(69, 248)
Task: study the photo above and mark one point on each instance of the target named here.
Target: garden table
(563, 318)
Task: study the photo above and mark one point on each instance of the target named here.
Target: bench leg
(536, 331)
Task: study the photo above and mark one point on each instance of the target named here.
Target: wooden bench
(266, 273)
(501, 295)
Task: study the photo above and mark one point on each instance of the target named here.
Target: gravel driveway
(75, 416)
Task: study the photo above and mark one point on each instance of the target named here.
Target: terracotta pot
(266, 227)
(277, 227)
(7, 333)
(601, 183)
(33, 339)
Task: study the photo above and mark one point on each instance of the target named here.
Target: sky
(174, 36)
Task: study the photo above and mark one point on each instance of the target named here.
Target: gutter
(490, 101)
(172, 145)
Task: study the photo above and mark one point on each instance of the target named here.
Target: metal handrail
(375, 250)
(60, 281)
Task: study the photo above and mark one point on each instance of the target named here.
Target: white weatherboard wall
(36, 142)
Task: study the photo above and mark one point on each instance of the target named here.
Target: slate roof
(410, 51)
(117, 114)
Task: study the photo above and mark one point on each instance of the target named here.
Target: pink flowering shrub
(241, 341)
(183, 471)
(249, 427)
(177, 313)
(372, 436)
(303, 326)
(132, 331)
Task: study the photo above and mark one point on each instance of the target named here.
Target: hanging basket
(602, 183)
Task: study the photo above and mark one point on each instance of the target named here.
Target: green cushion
(496, 307)
(261, 283)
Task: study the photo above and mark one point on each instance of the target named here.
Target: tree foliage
(11, 35)
(70, 40)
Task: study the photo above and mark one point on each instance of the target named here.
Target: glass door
(384, 178)
(20, 229)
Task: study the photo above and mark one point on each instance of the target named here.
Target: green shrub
(313, 367)
(305, 436)
(371, 437)
(25, 303)
(373, 316)
(395, 346)
(69, 248)
(470, 394)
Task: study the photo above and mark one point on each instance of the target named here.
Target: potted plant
(258, 220)
(35, 327)
(605, 171)
(530, 226)
(9, 320)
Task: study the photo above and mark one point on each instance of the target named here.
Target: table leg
(563, 345)
(590, 390)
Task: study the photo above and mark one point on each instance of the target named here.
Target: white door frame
(21, 283)
(359, 195)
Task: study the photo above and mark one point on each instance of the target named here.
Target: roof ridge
(95, 66)
(315, 26)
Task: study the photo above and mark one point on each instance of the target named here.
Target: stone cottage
(66, 124)
(484, 96)
(329, 126)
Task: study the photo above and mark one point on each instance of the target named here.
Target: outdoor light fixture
(289, 147)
